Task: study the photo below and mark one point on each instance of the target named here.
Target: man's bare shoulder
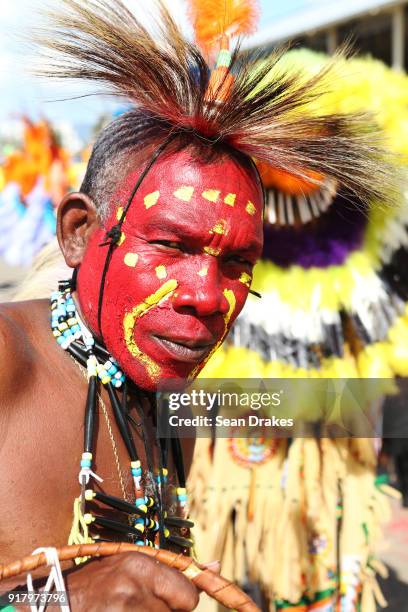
(17, 349)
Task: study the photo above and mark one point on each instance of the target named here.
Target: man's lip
(187, 350)
(193, 343)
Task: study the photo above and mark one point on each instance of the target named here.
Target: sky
(21, 93)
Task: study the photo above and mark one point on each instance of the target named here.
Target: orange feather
(213, 19)
(287, 182)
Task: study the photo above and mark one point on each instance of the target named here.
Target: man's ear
(76, 221)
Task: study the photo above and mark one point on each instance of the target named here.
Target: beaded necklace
(104, 410)
(147, 521)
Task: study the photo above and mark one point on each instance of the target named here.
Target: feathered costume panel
(334, 278)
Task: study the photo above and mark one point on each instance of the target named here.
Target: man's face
(182, 271)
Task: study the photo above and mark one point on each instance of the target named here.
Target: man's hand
(130, 581)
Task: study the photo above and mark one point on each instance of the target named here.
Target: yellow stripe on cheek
(130, 320)
(232, 302)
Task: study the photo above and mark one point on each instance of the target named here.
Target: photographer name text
(251, 420)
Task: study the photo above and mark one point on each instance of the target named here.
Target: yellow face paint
(203, 272)
(212, 251)
(245, 279)
(161, 272)
(250, 208)
(121, 239)
(220, 227)
(130, 259)
(119, 213)
(184, 194)
(230, 199)
(211, 195)
(130, 320)
(232, 302)
(151, 199)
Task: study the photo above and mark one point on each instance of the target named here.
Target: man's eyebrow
(172, 225)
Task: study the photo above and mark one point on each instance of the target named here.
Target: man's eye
(169, 244)
(242, 261)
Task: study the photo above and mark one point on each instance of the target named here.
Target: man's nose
(202, 294)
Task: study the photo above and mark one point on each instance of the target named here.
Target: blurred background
(47, 130)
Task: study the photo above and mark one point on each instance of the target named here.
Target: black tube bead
(117, 526)
(90, 412)
(175, 521)
(122, 423)
(179, 541)
(119, 504)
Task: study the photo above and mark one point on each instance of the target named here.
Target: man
(163, 238)
(42, 418)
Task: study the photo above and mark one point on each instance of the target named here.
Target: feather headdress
(163, 73)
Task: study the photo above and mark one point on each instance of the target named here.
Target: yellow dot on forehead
(230, 199)
(250, 208)
(121, 239)
(130, 259)
(161, 272)
(119, 213)
(185, 193)
(203, 272)
(245, 279)
(220, 227)
(211, 195)
(151, 199)
(212, 251)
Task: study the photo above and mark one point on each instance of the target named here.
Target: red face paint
(182, 271)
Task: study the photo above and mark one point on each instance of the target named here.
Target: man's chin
(166, 378)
